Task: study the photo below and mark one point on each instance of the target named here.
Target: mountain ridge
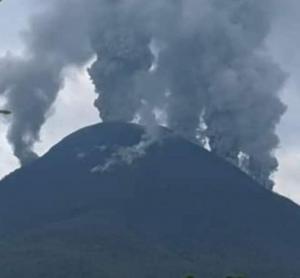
(164, 208)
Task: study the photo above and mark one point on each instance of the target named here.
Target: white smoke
(126, 155)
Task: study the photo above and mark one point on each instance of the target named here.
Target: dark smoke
(210, 65)
(31, 82)
(122, 55)
(213, 63)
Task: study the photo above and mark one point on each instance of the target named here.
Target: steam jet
(5, 112)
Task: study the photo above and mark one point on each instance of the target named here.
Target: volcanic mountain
(113, 200)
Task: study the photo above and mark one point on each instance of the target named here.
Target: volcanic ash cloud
(202, 63)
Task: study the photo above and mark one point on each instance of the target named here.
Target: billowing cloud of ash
(202, 62)
(31, 82)
(212, 67)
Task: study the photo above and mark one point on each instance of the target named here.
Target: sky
(74, 107)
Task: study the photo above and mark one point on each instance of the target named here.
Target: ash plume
(32, 81)
(122, 55)
(213, 64)
(209, 66)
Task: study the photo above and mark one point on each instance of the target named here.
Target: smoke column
(32, 81)
(211, 66)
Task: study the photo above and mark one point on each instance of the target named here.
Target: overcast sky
(74, 107)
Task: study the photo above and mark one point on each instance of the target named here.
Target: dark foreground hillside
(95, 207)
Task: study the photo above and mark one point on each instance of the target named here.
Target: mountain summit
(112, 200)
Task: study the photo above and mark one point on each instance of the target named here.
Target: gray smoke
(209, 71)
(32, 81)
(213, 64)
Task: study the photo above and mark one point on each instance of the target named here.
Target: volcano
(113, 201)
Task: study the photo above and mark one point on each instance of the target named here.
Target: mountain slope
(109, 202)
